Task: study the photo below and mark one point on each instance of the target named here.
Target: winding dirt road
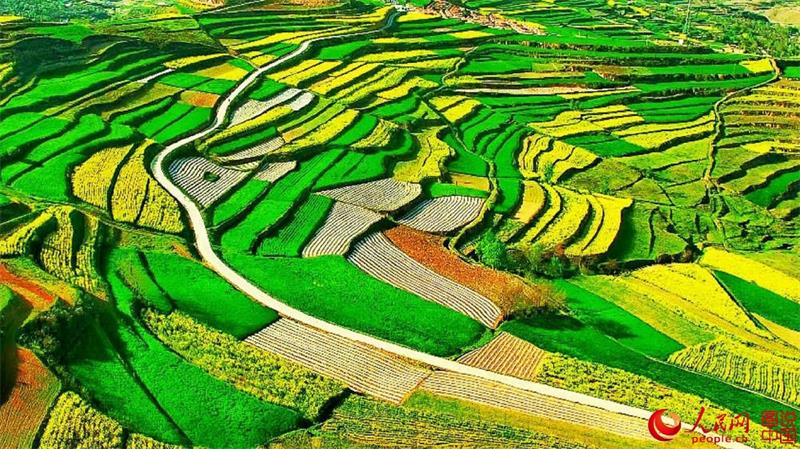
(206, 250)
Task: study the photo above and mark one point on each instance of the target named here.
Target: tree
(544, 298)
(53, 332)
(491, 251)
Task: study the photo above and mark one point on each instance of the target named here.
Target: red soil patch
(500, 288)
(199, 99)
(26, 407)
(36, 296)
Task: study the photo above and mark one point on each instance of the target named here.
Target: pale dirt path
(211, 258)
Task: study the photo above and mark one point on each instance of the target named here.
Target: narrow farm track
(213, 260)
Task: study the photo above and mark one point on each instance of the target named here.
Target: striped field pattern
(363, 369)
(473, 389)
(189, 173)
(383, 195)
(442, 215)
(376, 255)
(274, 171)
(506, 354)
(253, 108)
(256, 151)
(344, 223)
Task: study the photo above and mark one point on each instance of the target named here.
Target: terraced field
(407, 224)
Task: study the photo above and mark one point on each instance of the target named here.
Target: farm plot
(61, 241)
(506, 354)
(273, 171)
(695, 291)
(431, 421)
(53, 159)
(195, 402)
(763, 116)
(27, 402)
(471, 389)
(244, 231)
(254, 108)
(318, 129)
(754, 271)
(572, 337)
(660, 317)
(74, 422)
(364, 369)
(254, 137)
(502, 288)
(68, 252)
(738, 364)
(603, 228)
(203, 180)
(253, 153)
(545, 158)
(332, 289)
(567, 225)
(583, 224)
(17, 240)
(377, 256)
(645, 235)
(383, 195)
(168, 281)
(363, 422)
(292, 235)
(431, 157)
(128, 192)
(345, 223)
(616, 322)
(623, 387)
(760, 177)
(762, 302)
(263, 374)
(443, 214)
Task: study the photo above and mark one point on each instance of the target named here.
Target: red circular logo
(662, 430)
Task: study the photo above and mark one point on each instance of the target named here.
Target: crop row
(69, 252)
(501, 288)
(267, 376)
(443, 214)
(254, 108)
(377, 256)
(203, 180)
(28, 399)
(429, 161)
(273, 171)
(548, 159)
(137, 197)
(584, 225)
(383, 195)
(372, 424)
(467, 388)
(74, 423)
(364, 369)
(256, 152)
(506, 354)
(345, 223)
(739, 365)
